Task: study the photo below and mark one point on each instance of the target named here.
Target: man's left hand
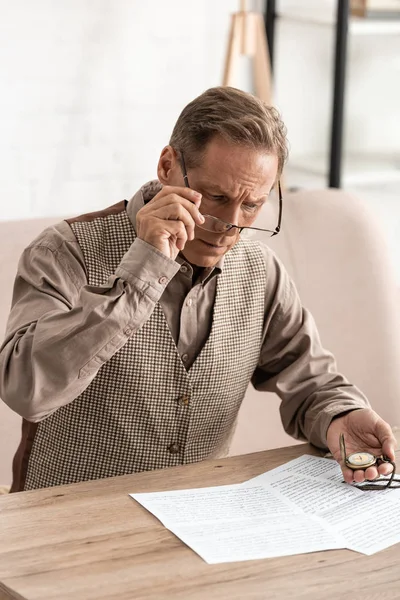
(364, 431)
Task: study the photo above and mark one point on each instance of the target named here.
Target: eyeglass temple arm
(184, 173)
(256, 228)
(278, 227)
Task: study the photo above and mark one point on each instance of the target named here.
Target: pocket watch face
(360, 460)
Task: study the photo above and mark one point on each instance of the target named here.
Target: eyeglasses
(216, 225)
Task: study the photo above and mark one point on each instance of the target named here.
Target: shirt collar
(144, 195)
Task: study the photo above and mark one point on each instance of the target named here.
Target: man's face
(235, 182)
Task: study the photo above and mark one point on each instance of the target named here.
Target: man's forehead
(238, 169)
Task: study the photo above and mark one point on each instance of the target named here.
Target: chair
(336, 254)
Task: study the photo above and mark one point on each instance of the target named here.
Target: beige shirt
(61, 330)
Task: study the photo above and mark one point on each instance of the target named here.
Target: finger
(385, 469)
(181, 238)
(348, 474)
(182, 192)
(177, 231)
(389, 447)
(359, 476)
(371, 473)
(387, 440)
(188, 207)
(173, 202)
(176, 212)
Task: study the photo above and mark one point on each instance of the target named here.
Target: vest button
(174, 448)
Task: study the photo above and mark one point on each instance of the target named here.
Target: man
(135, 331)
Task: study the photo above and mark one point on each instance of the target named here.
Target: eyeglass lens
(215, 225)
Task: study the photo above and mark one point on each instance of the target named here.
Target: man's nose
(229, 214)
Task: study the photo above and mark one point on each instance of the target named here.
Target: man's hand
(167, 222)
(365, 431)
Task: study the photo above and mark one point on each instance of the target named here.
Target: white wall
(90, 90)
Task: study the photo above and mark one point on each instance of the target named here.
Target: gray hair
(236, 116)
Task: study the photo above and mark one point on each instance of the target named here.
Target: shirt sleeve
(295, 366)
(61, 330)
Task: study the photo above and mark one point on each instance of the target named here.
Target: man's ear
(167, 166)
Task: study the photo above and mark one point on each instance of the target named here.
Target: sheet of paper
(258, 538)
(314, 467)
(368, 524)
(311, 484)
(302, 506)
(226, 502)
(392, 493)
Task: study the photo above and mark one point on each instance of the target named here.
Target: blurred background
(90, 90)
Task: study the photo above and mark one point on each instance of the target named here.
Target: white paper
(308, 466)
(313, 497)
(368, 524)
(302, 506)
(204, 505)
(259, 538)
(312, 484)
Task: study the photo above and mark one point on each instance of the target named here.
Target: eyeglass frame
(231, 225)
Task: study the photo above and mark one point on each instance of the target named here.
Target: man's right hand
(167, 222)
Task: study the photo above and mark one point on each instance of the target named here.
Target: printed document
(302, 506)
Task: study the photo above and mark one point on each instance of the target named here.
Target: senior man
(135, 331)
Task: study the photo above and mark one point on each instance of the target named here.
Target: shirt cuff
(148, 269)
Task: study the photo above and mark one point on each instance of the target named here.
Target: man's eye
(217, 197)
(251, 207)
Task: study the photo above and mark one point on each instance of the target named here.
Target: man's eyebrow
(209, 185)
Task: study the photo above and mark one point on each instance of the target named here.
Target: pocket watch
(362, 460)
(357, 460)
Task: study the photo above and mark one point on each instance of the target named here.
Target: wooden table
(91, 541)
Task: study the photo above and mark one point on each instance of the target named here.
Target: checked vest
(144, 410)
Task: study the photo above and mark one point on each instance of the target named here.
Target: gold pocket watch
(357, 460)
(362, 460)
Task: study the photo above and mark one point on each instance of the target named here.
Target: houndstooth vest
(144, 410)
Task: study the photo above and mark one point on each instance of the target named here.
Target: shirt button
(174, 448)
(189, 302)
(184, 400)
(163, 280)
(184, 269)
(184, 357)
(128, 330)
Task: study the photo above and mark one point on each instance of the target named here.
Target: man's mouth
(212, 245)
(215, 247)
